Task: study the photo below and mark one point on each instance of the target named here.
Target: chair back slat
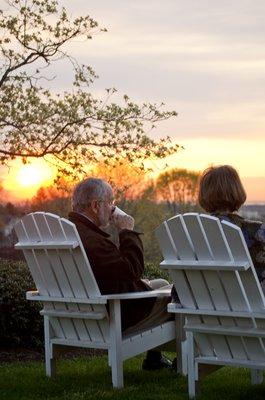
(216, 238)
(181, 238)
(30, 259)
(249, 277)
(197, 237)
(167, 245)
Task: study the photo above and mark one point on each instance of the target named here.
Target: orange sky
(21, 182)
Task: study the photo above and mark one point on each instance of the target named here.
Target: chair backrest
(60, 269)
(217, 284)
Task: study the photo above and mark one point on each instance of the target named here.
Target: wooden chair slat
(181, 238)
(248, 278)
(216, 239)
(198, 237)
(167, 246)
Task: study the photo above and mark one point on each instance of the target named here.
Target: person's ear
(94, 206)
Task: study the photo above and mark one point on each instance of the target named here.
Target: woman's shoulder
(249, 225)
(252, 224)
(255, 229)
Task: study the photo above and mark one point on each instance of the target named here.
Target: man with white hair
(117, 269)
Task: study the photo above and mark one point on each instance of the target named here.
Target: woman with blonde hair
(221, 194)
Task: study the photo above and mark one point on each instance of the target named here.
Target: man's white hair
(87, 190)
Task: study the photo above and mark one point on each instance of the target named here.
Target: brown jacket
(117, 270)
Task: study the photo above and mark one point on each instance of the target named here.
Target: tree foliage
(53, 200)
(128, 180)
(70, 128)
(179, 188)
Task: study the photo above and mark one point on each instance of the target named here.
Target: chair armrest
(34, 295)
(138, 295)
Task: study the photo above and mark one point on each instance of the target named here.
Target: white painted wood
(232, 363)
(220, 330)
(168, 248)
(73, 314)
(250, 280)
(49, 361)
(144, 341)
(177, 232)
(205, 265)
(175, 307)
(184, 352)
(35, 296)
(45, 261)
(181, 239)
(72, 273)
(198, 237)
(85, 343)
(220, 294)
(47, 245)
(191, 365)
(201, 281)
(30, 259)
(74, 311)
(219, 248)
(139, 295)
(116, 344)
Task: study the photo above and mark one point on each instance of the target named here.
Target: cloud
(202, 58)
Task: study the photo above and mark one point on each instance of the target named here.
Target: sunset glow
(23, 181)
(30, 175)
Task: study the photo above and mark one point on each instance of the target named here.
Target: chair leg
(256, 376)
(184, 357)
(109, 358)
(191, 365)
(49, 361)
(181, 348)
(116, 344)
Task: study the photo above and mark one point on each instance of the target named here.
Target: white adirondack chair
(223, 303)
(74, 311)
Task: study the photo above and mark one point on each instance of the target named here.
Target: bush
(153, 271)
(20, 321)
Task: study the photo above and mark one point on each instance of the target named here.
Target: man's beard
(103, 223)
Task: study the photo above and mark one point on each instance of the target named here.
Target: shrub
(153, 271)
(20, 321)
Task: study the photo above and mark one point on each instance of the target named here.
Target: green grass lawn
(81, 379)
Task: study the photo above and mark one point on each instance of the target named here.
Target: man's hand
(123, 222)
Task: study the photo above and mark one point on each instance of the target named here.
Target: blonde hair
(220, 189)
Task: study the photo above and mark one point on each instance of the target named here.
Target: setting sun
(32, 175)
(23, 181)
